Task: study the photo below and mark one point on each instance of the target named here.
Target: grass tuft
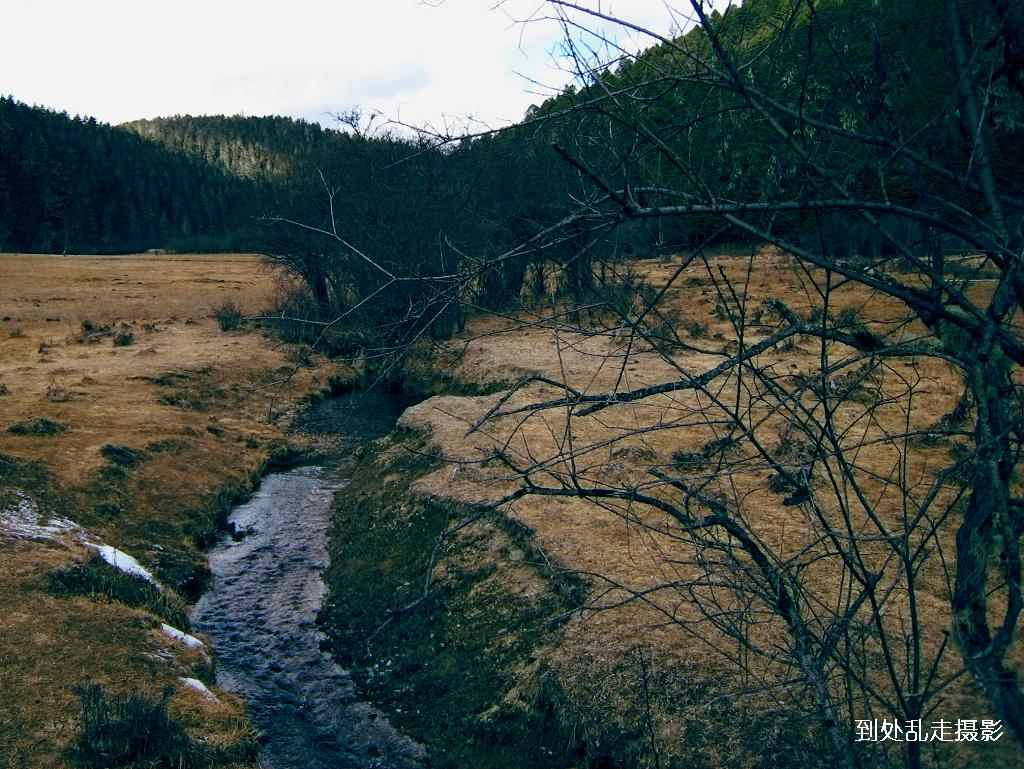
(120, 455)
(228, 314)
(119, 730)
(96, 578)
(122, 731)
(40, 426)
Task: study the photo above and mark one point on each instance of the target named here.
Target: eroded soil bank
(262, 607)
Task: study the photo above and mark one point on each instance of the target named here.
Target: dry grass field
(127, 411)
(626, 550)
(141, 444)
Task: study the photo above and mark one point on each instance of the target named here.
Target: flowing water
(261, 610)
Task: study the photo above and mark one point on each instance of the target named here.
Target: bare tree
(901, 225)
(828, 470)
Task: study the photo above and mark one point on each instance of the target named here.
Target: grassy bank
(461, 666)
(128, 418)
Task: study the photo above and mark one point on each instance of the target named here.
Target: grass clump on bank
(38, 426)
(121, 731)
(96, 578)
(118, 730)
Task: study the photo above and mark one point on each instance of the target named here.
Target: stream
(260, 612)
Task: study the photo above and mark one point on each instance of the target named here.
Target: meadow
(128, 418)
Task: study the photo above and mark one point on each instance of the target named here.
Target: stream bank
(461, 669)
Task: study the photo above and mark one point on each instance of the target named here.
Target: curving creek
(261, 610)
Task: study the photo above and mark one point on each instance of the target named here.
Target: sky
(433, 63)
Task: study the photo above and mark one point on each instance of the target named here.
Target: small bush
(40, 426)
(228, 314)
(18, 333)
(712, 451)
(3, 389)
(847, 317)
(777, 484)
(696, 329)
(108, 510)
(293, 304)
(184, 400)
(628, 295)
(299, 354)
(121, 731)
(120, 455)
(57, 393)
(124, 338)
(167, 446)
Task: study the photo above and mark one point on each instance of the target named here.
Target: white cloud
(125, 59)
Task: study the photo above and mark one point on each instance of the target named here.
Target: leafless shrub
(57, 392)
(228, 314)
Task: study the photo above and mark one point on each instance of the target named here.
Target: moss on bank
(461, 669)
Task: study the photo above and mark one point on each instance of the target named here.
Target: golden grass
(629, 545)
(190, 400)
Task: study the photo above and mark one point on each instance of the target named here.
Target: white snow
(199, 686)
(121, 561)
(23, 519)
(179, 635)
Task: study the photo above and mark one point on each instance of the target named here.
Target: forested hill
(857, 82)
(72, 184)
(269, 148)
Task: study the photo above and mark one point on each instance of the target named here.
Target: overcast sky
(415, 61)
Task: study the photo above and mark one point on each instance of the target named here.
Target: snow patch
(121, 561)
(199, 686)
(189, 640)
(22, 519)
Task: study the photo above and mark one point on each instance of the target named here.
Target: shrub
(184, 400)
(847, 317)
(628, 294)
(292, 304)
(696, 329)
(57, 393)
(123, 338)
(778, 484)
(120, 455)
(121, 731)
(299, 354)
(228, 314)
(37, 426)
